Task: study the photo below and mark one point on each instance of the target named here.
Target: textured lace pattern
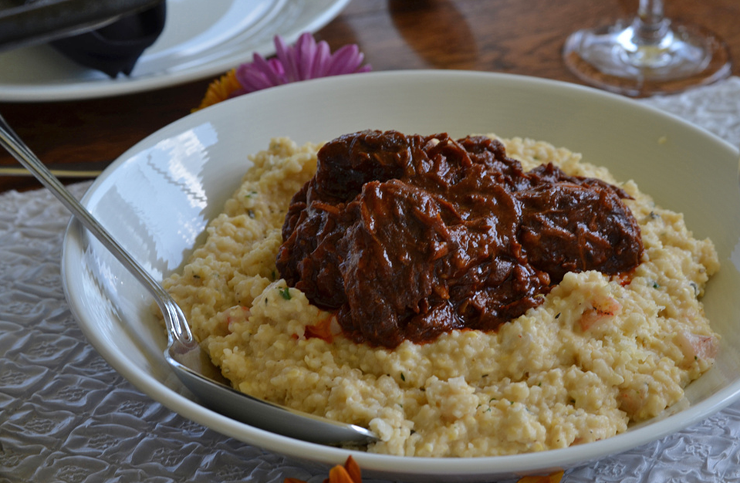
(66, 415)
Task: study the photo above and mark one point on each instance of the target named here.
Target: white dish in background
(200, 39)
(159, 195)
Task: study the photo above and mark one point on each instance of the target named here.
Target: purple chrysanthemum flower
(305, 60)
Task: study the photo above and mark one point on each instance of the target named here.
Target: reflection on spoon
(189, 362)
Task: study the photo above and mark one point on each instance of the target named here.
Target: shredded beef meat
(407, 237)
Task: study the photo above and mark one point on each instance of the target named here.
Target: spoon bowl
(188, 360)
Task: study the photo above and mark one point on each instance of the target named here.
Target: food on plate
(594, 342)
(406, 237)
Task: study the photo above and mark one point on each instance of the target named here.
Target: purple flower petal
(252, 79)
(304, 60)
(305, 53)
(287, 59)
(345, 60)
(321, 61)
(271, 70)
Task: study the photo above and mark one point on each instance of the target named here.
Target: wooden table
(512, 36)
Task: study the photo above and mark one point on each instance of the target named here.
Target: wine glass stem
(650, 26)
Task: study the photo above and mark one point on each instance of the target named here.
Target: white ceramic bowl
(158, 197)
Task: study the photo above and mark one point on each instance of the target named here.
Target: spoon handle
(177, 326)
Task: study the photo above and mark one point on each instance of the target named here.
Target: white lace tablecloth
(66, 415)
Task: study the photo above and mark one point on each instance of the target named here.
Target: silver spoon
(189, 362)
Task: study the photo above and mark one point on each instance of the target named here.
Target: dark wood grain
(512, 36)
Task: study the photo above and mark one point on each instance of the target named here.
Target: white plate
(159, 196)
(200, 39)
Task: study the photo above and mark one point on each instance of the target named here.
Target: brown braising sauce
(407, 237)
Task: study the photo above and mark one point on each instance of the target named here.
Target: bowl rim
(381, 464)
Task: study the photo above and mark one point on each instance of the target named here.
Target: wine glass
(647, 55)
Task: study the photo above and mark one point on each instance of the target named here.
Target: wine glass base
(608, 58)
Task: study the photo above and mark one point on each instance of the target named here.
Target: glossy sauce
(407, 237)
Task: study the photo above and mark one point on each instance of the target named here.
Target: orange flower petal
(339, 475)
(353, 469)
(553, 478)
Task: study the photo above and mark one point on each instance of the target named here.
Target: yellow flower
(220, 90)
